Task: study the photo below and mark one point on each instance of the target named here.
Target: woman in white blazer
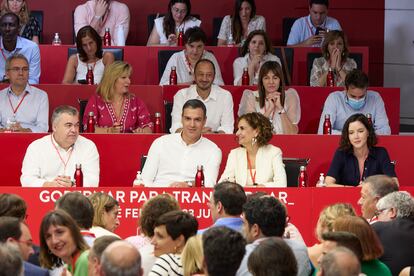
(255, 162)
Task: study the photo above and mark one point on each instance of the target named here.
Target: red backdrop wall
(363, 21)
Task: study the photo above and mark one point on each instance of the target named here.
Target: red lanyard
(118, 118)
(188, 64)
(253, 176)
(18, 105)
(310, 28)
(60, 156)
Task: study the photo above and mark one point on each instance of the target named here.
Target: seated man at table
(50, 161)
(355, 99)
(219, 102)
(11, 43)
(309, 31)
(23, 108)
(102, 14)
(173, 159)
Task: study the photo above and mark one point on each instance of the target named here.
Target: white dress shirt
(42, 162)
(186, 74)
(219, 106)
(170, 160)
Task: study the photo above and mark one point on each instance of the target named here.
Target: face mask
(356, 104)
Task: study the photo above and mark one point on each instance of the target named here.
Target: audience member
(115, 109)
(374, 188)
(397, 239)
(349, 240)
(408, 271)
(178, 19)
(272, 257)
(23, 108)
(340, 105)
(254, 53)
(50, 161)
(29, 27)
(357, 156)
(334, 56)
(95, 253)
(11, 261)
(150, 212)
(235, 28)
(12, 205)
(309, 31)
(395, 205)
(90, 55)
(219, 102)
(280, 106)
(11, 43)
(325, 225)
(161, 167)
(340, 262)
(62, 243)
(172, 230)
(102, 15)
(263, 218)
(263, 161)
(185, 60)
(192, 257)
(13, 231)
(223, 250)
(121, 258)
(105, 219)
(226, 205)
(371, 245)
(73, 202)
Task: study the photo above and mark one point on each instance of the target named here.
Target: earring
(254, 141)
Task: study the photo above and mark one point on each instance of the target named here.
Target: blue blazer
(34, 270)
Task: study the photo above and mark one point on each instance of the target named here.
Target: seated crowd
(250, 235)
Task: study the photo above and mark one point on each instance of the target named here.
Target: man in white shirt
(219, 102)
(23, 108)
(102, 14)
(172, 159)
(51, 161)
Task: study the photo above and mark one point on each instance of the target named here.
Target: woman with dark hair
(185, 60)
(235, 28)
(371, 245)
(178, 18)
(90, 55)
(255, 51)
(172, 230)
(335, 56)
(357, 157)
(29, 27)
(61, 243)
(255, 162)
(281, 107)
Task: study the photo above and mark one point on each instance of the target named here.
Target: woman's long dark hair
(345, 144)
(169, 23)
(277, 70)
(236, 26)
(84, 32)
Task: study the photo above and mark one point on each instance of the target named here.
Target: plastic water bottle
(56, 40)
(321, 181)
(138, 179)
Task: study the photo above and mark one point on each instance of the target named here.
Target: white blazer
(270, 170)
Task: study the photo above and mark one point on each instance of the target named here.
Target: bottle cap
(106, 29)
(327, 116)
(173, 68)
(157, 114)
(91, 113)
(368, 115)
(302, 168)
(245, 69)
(199, 167)
(78, 166)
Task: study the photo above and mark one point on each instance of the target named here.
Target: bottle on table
(369, 117)
(245, 77)
(56, 40)
(327, 126)
(303, 177)
(230, 41)
(173, 76)
(330, 78)
(180, 38)
(107, 37)
(90, 125)
(321, 181)
(78, 176)
(89, 76)
(138, 179)
(157, 123)
(199, 177)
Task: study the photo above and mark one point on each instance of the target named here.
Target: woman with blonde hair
(192, 256)
(105, 219)
(29, 27)
(325, 223)
(115, 109)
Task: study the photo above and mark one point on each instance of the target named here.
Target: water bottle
(321, 181)
(56, 40)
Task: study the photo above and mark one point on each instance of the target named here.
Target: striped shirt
(167, 265)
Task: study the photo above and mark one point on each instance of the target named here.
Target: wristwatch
(282, 111)
(190, 184)
(97, 17)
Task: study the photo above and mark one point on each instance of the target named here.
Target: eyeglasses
(29, 243)
(178, 11)
(19, 69)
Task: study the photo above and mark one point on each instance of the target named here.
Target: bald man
(340, 262)
(121, 258)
